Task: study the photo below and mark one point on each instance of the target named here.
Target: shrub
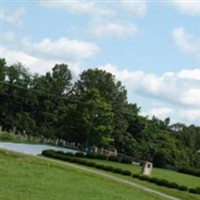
(99, 166)
(144, 178)
(113, 158)
(118, 170)
(109, 168)
(69, 154)
(159, 159)
(126, 173)
(91, 155)
(136, 176)
(193, 190)
(173, 185)
(60, 152)
(91, 164)
(82, 162)
(126, 160)
(189, 170)
(101, 156)
(154, 180)
(48, 152)
(183, 188)
(80, 154)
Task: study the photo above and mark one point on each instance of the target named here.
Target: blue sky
(152, 47)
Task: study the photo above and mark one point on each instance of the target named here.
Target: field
(171, 176)
(32, 178)
(182, 179)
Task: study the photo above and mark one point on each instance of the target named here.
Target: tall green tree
(89, 119)
(113, 93)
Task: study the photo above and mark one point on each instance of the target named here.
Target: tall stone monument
(147, 169)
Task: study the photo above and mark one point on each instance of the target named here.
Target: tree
(89, 119)
(111, 91)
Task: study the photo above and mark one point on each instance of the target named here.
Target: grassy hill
(33, 178)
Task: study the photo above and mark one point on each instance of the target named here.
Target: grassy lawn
(182, 179)
(32, 178)
(172, 176)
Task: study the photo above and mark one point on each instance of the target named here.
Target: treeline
(92, 110)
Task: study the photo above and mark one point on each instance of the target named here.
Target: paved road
(115, 179)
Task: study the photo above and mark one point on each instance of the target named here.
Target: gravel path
(111, 177)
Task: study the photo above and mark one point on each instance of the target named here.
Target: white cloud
(35, 64)
(8, 37)
(61, 49)
(117, 16)
(190, 115)
(187, 7)
(187, 43)
(135, 8)
(113, 28)
(191, 96)
(14, 17)
(174, 91)
(78, 7)
(160, 112)
(99, 8)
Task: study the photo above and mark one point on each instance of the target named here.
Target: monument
(147, 169)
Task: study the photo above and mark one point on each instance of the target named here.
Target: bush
(173, 185)
(126, 160)
(113, 158)
(136, 176)
(154, 180)
(101, 156)
(91, 164)
(60, 152)
(159, 159)
(144, 178)
(189, 170)
(91, 155)
(82, 162)
(126, 173)
(118, 170)
(48, 152)
(99, 166)
(69, 154)
(183, 188)
(194, 191)
(80, 154)
(109, 168)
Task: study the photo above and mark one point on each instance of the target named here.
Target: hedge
(189, 170)
(160, 182)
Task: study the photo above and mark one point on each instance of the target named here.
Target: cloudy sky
(152, 47)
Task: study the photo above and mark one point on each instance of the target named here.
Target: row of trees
(91, 111)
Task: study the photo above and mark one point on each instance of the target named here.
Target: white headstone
(147, 169)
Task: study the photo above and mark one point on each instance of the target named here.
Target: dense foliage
(91, 111)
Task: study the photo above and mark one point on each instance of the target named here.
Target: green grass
(33, 178)
(136, 169)
(172, 176)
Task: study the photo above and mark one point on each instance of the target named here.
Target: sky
(152, 47)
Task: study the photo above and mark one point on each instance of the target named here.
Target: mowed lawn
(32, 178)
(182, 179)
(172, 176)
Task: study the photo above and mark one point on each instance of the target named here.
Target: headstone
(147, 169)
(14, 129)
(96, 149)
(115, 152)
